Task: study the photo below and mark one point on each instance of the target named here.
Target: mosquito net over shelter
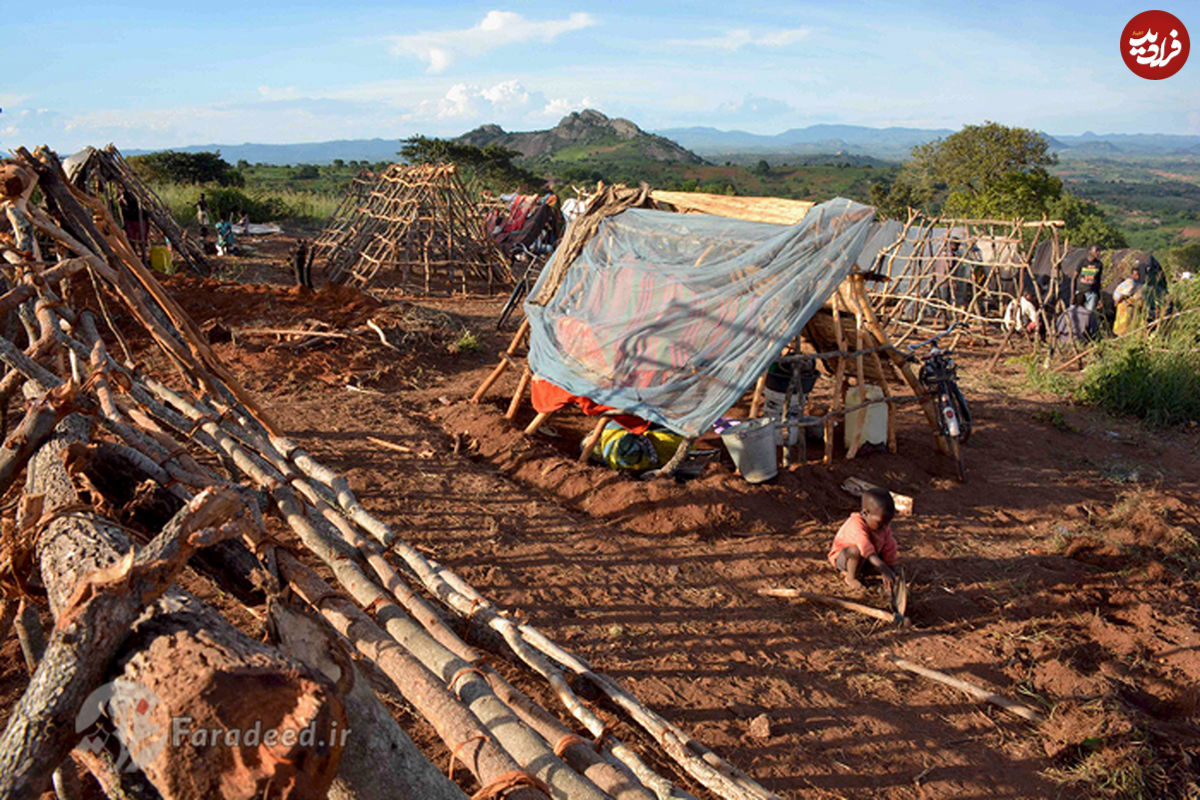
(673, 316)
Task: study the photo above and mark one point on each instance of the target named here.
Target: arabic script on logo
(1155, 45)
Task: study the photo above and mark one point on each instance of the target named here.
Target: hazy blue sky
(159, 74)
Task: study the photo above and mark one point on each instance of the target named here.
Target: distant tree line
(172, 166)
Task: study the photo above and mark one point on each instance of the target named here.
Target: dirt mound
(258, 305)
(717, 502)
(261, 330)
(1134, 530)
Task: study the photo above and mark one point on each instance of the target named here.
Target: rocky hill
(584, 135)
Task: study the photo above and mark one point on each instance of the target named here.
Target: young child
(867, 537)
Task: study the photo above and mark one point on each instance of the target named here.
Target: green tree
(762, 167)
(991, 171)
(491, 164)
(1186, 257)
(307, 172)
(1086, 223)
(339, 163)
(978, 156)
(172, 166)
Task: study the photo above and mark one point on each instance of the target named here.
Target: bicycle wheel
(514, 300)
(964, 412)
(956, 451)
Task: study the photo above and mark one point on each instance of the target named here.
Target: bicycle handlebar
(934, 338)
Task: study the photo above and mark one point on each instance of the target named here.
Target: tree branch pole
(1021, 710)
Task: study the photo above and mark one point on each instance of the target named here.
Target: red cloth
(547, 398)
(854, 531)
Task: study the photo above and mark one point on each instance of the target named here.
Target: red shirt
(854, 531)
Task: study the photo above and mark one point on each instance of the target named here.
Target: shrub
(1153, 374)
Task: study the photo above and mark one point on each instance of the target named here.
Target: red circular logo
(1155, 45)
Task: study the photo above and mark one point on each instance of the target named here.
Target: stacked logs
(131, 473)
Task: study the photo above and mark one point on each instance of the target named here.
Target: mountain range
(591, 135)
(896, 144)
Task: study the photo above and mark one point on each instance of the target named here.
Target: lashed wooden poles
(380, 761)
(463, 734)
(505, 361)
(414, 220)
(463, 681)
(582, 755)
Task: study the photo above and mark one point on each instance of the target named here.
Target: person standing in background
(1090, 278)
(202, 211)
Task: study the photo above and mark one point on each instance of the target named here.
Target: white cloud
(8, 99)
(508, 102)
(278, 92)
(440, 49)
(507, 95)
(737, 38)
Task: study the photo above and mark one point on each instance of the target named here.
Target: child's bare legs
(853, 560)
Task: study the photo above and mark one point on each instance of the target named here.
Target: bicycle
(533, 268)
(939, 376)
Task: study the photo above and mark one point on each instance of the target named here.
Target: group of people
(225, 242)
(1079, 320)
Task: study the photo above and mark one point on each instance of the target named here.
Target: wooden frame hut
(133, 204)
(845, 334)
(413, 227)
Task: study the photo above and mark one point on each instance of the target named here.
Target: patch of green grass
(1055, 419)
(1041, 378)
(467, 342)
(259, 203)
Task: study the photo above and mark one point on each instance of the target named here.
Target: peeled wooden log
(463, 734)
(90, 629)
(583, 756)
(521, 743)
(196, 666)
(380, 761)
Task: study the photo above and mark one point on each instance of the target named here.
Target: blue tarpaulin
(673, 316)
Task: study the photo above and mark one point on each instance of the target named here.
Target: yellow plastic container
(866, 425)
(160, 259)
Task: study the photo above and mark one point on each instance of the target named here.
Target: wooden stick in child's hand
(849, 605)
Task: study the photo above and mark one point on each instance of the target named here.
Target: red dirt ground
(1062, 574)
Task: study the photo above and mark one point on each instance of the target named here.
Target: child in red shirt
(867, 536)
